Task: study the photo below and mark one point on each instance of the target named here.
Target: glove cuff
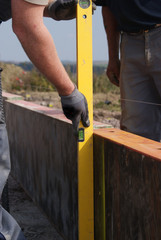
(73, 98)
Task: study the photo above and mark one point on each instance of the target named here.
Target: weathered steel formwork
(44, 161)
(127, 187)
(127, 174)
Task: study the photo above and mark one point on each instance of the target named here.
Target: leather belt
(144, 30)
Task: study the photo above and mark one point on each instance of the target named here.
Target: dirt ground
(33, 222)
(105, 114)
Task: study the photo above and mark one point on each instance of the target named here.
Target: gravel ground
(106, 116)
(33, 222)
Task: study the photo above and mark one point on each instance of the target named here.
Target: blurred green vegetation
(25, 78)
(15, 77)
(101, 83)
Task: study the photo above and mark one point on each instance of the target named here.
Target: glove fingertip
(86, 123)
(76, 124)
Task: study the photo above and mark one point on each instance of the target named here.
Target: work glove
(75, 108)
(64, 9)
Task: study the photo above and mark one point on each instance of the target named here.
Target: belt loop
(158, 25)
(146, 31)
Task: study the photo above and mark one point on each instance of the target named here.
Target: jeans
(140, 83)
(9, 229)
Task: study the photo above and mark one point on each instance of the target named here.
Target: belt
(144, 30)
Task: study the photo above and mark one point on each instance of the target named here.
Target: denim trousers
(9, 229)
(140, 83)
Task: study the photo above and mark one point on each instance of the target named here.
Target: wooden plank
(132, 194)
(99, 189)
(139, 144)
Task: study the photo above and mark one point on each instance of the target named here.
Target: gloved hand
(64, 9)
(75, 108)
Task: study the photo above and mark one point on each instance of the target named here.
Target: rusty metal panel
(44, 160)
(132, 193)
(127, 176)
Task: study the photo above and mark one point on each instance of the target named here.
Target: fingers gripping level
(65, 9)
(75, 108)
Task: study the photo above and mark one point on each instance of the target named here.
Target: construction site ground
(34, 223)
(106, 107)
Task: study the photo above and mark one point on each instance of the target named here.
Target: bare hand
(113, 72)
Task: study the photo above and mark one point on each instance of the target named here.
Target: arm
(38, 44)
(113, 36)
(27, 22)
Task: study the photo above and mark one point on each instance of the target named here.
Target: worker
(136, 24)
(27, 23)
(133, 31)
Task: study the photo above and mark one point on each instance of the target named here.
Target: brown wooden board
(132, 194)
(132, 186)
(139, 144)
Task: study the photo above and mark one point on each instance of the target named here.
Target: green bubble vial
(81, 135)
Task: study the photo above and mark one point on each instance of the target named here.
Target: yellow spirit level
(85, 146)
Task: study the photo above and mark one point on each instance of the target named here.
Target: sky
(64, 35)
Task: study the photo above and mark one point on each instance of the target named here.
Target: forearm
(27, 20)
(112, 33)
(27, 23)
(41, 50)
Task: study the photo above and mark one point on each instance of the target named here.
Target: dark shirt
(5, 10)
(100, 2)
(134, 15)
